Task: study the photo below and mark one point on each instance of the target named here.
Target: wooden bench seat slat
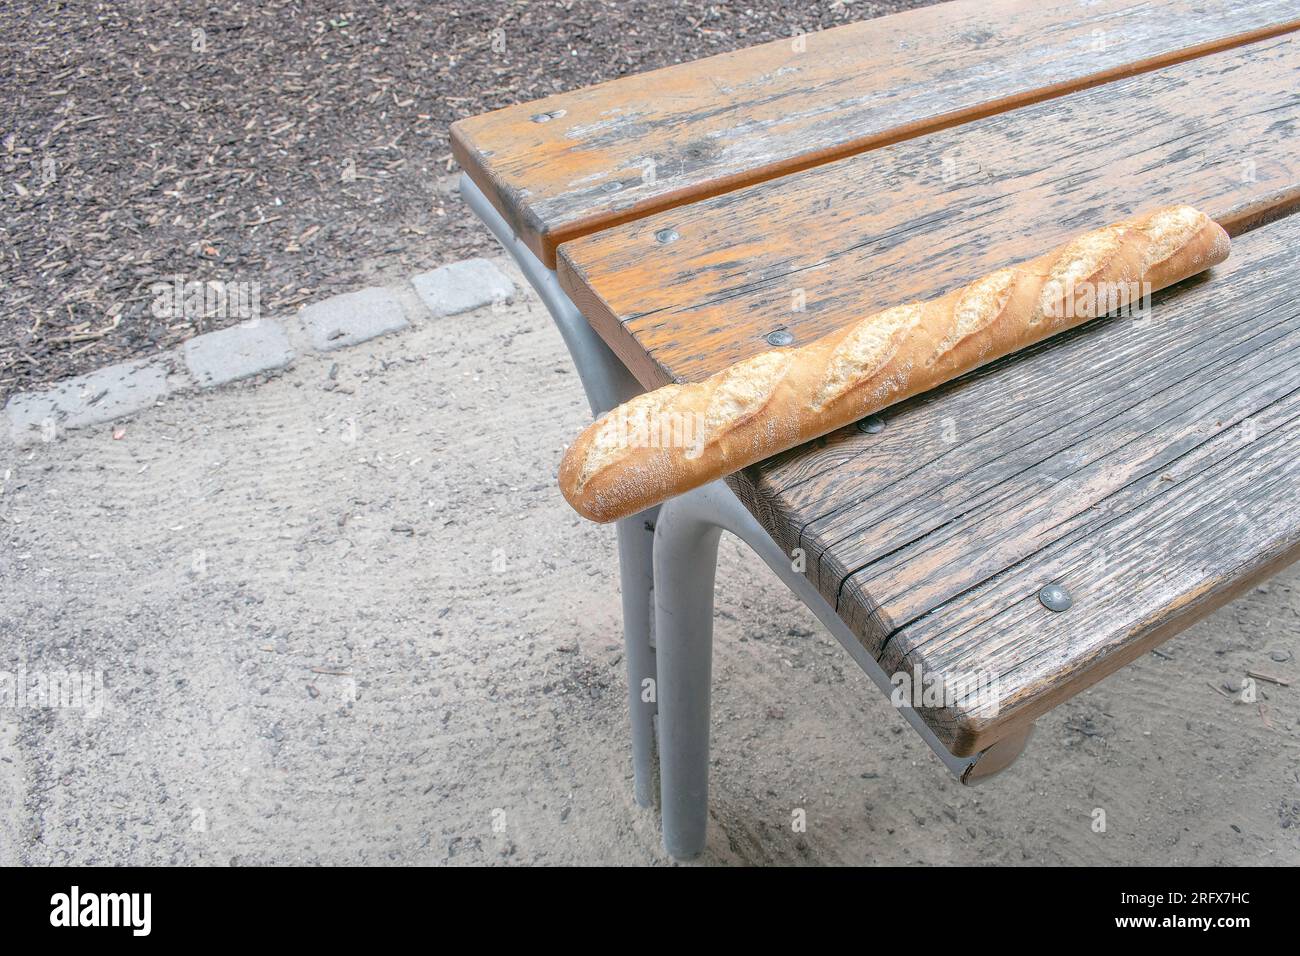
(935, 459)
(937, 564)
(1178, 493)
(640, 144)
(810, 252)
(1166, 563)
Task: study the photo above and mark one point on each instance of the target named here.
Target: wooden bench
(701, 214)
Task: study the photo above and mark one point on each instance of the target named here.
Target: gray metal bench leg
(636, 568)
(685, 563)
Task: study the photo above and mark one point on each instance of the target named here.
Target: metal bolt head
(871, 425)
(667, 235)
(1055, 598)
(780, 337)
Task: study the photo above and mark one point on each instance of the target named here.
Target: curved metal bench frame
(667, 563)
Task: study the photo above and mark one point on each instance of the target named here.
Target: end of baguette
(570, 477)
(1181, 242)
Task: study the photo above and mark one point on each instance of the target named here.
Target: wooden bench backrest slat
(633, 146)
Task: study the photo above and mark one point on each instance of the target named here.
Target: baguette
(678, 437)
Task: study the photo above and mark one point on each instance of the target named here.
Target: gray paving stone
(462, 286)
(237, 352)
(90, 399)
(351, 318)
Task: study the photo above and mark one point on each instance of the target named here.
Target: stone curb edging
(243, 351)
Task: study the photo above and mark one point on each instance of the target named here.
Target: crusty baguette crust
(679, 437)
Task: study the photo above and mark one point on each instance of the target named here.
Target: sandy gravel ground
(345, 617)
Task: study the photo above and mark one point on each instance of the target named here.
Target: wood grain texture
(623, 149)
(1150, 468)
(814, 251)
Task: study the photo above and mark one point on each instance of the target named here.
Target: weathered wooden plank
(1150, 468)
(620, 150)
(812, 251)
(1137, 581)
(800, 495)
(957, 544)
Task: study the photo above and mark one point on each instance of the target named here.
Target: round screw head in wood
(871, 425)
(667, 235)
(1055, 598)
(780, 337)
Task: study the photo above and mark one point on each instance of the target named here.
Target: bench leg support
(685, 565)
(636, 568)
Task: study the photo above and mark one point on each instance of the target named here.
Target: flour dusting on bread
(978, 306)
(866, 350)
(612, 430)
(1169, 230)
(741, 391)
(1078, 262)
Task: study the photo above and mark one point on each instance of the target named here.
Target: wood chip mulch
(263, 143)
